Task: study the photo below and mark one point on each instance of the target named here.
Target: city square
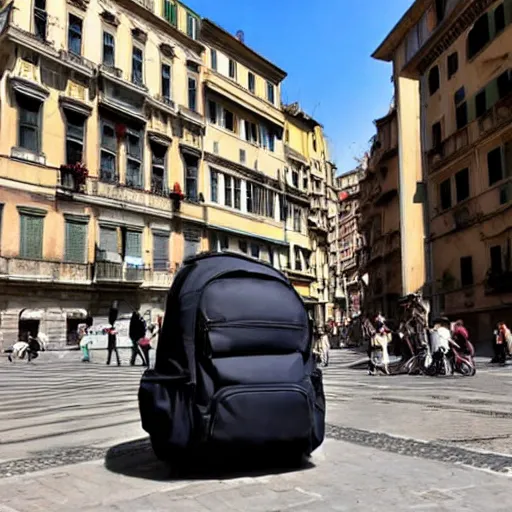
(71, 440)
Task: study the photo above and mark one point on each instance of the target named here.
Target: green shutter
(508, 12)
(108, 240)
(166, 10)
(174, 14)
(133, 244)
(492, 93)
(160, 252)
(76, 241)
(471, 106)
(31, 237)
(507, 150)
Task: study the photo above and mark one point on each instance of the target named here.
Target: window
(214, 186)
(462, 185)
(251, 79)
(160, 251)
(109, 240)
(505, 83)
(295, 178)
(249, 197)
(224, 242)
(171, 12)
(296, 219)
(191, 26)
(158, 181)
(249, 131)
(191, 181)
(192, 244)
(466, 271)
(31, 236)
(453, 64)
(75, 35)
(478, 36)
(499, 18)
(495, 166)
(75, 132)
(481, 103)
(496, 261)
(134, 176)
(228, 190)
(40, 19)
(297, 258)
(445, 194)
(238, 193)
(461, 108)
(436, 136)
(213, 58)
(433, 80)
(243, 156)
(271, 92)
(232, 69)
(76, 241)
(166, 81)
(192, 93)
(267, 138)
(109, 58)
(212, 111)
(228, 120)
(108, 152)
(29, 128)
(242, 245)
(137, 58)
(255, 250)
(132, 244)
(440, 10)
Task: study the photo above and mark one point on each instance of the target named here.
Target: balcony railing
(17, 269)
(148, 4)
(105, 271)
(77, 60)
(498, 116)
(158, 278)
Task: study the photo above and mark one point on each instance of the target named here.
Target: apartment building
(379, 220)
(133, 134)
(454, 57)
(344, 241)
(310, 196)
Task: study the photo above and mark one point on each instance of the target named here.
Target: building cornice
(217, 37)
(456, 24)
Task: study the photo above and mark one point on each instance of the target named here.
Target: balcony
(147, 4)
(158, 279)
(499, 116)
(78, 63)
(39, 271)
(498, 282)
(108, 272)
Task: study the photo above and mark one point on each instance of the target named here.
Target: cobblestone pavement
(70, 439)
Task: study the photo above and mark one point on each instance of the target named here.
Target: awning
(249, 235)
(32, 314)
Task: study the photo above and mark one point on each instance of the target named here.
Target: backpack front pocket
(260, 414)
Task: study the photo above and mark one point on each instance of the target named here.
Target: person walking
(324, 347)
(112, 345)
(502, 343)
(137, 332)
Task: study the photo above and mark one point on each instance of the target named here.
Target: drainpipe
(429, 263)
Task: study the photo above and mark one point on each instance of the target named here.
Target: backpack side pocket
(318, 431)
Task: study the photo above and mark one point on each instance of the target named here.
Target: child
(84, 346)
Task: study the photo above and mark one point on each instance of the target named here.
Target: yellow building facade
(133, 134)
(458, 54)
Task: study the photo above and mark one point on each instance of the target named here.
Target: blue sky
(325, 47)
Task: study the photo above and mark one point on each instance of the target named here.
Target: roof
(294, 110)
(387, 48)
(220, 37)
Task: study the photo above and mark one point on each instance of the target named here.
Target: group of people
(143, 337)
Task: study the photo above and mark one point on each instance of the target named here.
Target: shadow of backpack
(234, 366)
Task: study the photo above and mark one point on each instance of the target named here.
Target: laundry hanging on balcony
(134, 262)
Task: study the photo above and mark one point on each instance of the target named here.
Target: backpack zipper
(257, 323)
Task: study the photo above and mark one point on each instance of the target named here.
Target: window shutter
(174, 14)
(471, 106)
(492, 94)
(243, 129)
(108, 240)
(76, 239)
(508, 12)
(31, 237)
(160, 252)
(507, 150)
(133, 244)
(191, 248)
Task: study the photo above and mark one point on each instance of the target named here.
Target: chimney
(240, 36)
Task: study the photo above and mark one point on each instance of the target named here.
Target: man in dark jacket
(137, 331)
(112, 345)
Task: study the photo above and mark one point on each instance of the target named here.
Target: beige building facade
(457, 54)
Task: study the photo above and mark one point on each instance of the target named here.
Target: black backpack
(234, 366)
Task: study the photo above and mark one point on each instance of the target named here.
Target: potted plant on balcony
(74, 176)
(177, 196)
